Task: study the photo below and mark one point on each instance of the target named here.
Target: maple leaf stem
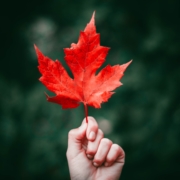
(86, 112)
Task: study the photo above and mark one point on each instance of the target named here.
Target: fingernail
(89, 156)
(95, 164)
(92, 135)
(106, 164)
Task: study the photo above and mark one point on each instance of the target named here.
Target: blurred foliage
(144, 114)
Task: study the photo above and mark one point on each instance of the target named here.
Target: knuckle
(95, 127)
(116, 147)
(90, 118)
(110, 159)
(122, 153)
(100, 132)
(92, 121)
(91, 152)
(71, 133)
(98, 160)
(67, 153)
(106, 141)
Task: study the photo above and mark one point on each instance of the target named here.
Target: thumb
(75, 138)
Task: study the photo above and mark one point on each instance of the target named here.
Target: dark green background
(144, 114)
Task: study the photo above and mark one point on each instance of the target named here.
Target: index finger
(92, 128)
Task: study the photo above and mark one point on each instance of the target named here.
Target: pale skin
(91, 156)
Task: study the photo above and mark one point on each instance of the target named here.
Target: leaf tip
(94, 14)
(92, 19)
(37, 50)
(35, 47)
(128, 63)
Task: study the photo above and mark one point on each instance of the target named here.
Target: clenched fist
(91, 156)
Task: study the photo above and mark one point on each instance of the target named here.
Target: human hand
(92, 157)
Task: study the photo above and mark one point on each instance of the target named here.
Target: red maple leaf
(83, 59)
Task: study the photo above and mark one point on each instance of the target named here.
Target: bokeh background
(143, 116)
